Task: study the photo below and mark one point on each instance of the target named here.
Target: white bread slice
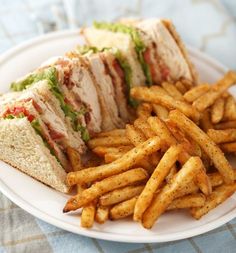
(23, 149)
(103, 38)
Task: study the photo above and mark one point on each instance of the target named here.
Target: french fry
(130, 159)
(230, 109)
(115, 132)
(110, 141)
(222, 136)
(181, 87)
(144, 110)
(205, 121)
(74, 158)
(102, 214)
(226, 125)
(217, 110)
(111, 157)
(171, 174)
(219, 195)
(88, 214)
(160, 111)
(150, 95)
(120, 195)
(104, 186)
(144, 127)
(172, 90)
(187, 84)
(123, 209)
(102, 150)
(154, 182)
(188, 201)
(203, 182)
(205, 142)
(228, 147)
(208, 99)
(196, 92)
(161, 202)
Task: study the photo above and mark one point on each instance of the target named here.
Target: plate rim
(25, 205)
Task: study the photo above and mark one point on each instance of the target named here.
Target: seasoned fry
(208, 99)
(160, 111)
(196, 92)
(120, 195)
(188, 201)
(217, 111)
(152, 96)
(205, 142)
(154, 182)
(88, 214)
(187, 84)
(172, 90)
(102, 150)
(111, 157)
(123, 209)
(130, 159)
(102, 214)
(230, 109)
(170, 191)
(110, 141)
(104, 186)
(226, 125)
(203, 182)
(171, 174)
(144, 127)
(74, 158)
(228, 147)
(181, 87)
(144, 110)
(134, 135)
(115, 132)
(205, 121)
(222, 136)
(219, 195)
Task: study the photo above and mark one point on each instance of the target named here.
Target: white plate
(46, 204)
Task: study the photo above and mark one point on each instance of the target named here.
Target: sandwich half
(152, 47)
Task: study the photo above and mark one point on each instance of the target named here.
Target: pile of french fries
(171, 157)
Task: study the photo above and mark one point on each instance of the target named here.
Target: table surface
(208, 25)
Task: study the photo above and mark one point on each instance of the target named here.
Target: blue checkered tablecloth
(208, 25)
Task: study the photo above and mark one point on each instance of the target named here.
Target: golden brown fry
(150, 95)
(219, 195)
(102, 214)
(154, 182)
(181, 87)
(115, 132)
(172, 91)
(230, 109)
(161, 202)
(203, 182)
(102, 150)
(104, 186)
(120, 195)
(226, 125)
(160, 111)
(208, 99)
(134, 135)
(217, 110)
(187, 83)
(196, 92)
(144, 110)
(110, 141)
(74, 158)
(88, 214)
(222, 136)
(188, 201)
(130, 159)
(228, 147)
(144, 127)
(171, 174)
(205, 121)
(205, 142)
(111, 157)
(123, 209)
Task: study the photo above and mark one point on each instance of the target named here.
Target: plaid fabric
(24, 19)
